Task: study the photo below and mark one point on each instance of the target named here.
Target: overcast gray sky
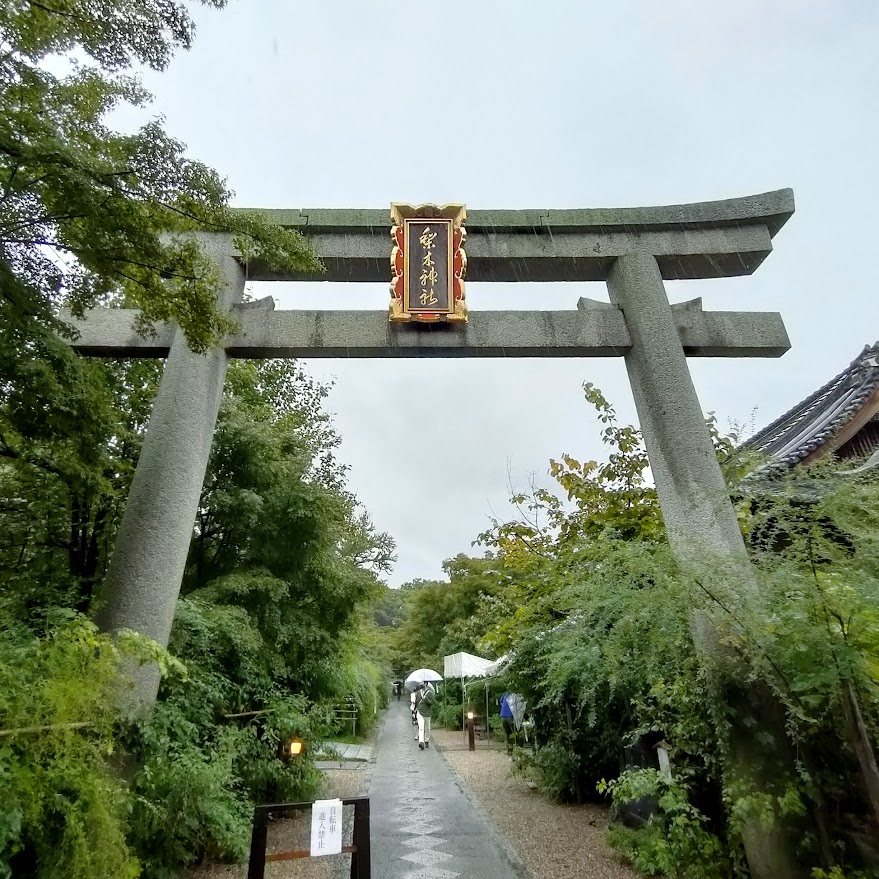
(557, 104)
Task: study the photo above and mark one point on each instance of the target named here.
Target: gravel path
(554, 841)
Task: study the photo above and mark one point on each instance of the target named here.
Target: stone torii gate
(632, 249)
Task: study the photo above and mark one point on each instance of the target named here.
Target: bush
(496, 725)
(201, 774)
(269, 779)
(448, 715)
(188, 802)
(63, 809)
(675, 841)
(556, 768)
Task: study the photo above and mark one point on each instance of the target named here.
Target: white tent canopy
(495, 667)
(465, 665)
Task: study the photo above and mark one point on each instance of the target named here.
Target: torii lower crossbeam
(595, 329)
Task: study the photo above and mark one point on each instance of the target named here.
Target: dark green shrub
(676, 840)
(448, 715)
(186, 803)
(62, 808)
(556, 768)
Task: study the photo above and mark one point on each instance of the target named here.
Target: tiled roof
(820, 417)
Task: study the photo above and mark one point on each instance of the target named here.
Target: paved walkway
(349, 756)
(423, 824)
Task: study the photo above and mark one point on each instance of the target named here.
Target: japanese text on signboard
(429, 266)
(326, 827)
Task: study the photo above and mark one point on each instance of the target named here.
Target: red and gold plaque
(428, 263)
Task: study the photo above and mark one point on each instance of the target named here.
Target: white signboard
(326, 827)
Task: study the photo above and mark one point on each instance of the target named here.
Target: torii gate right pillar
(696, 509)
(699, 518)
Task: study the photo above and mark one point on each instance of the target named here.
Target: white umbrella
(420, 676)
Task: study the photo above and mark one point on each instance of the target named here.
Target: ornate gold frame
(457, 215)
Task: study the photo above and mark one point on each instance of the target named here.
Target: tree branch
(48, 727)
(53, 11)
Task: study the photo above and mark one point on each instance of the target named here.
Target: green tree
(273, 623)
(283, 561)
(596, 615)
(443, 617)
(87, 213)
(388, 608)
(64, 474)
(90, 216)
(274, 626)
(275, 536)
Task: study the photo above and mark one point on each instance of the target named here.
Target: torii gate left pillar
(146, 568)
(633, 249)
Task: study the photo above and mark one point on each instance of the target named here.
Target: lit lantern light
(469, 715)
(294, 747)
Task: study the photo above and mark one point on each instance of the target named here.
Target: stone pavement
(341, 755)
(423, 824)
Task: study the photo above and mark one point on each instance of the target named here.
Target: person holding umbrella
(424, 710)
(507, 721)
(423, 697)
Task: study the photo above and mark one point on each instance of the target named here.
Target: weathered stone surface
(699, 518)
(702, 240)
(149, 557)
(110, 332)
(586, 332)
(772, 209)
(544, 254)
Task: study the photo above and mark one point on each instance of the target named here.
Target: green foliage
(388, 608)
(557, 766)
(675, 841)
(194, 791)
(441, 618)
(598, 619)
(282, 559)
(187, 802)
(447, 714)
(87, 212)
(63, 808)
(275, 625)
(88, 216)
(283, 563)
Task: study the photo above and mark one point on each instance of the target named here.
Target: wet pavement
(423, 824)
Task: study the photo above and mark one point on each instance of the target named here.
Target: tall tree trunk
(859, 737)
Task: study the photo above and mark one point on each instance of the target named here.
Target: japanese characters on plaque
(326, 827)
(428, 263)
